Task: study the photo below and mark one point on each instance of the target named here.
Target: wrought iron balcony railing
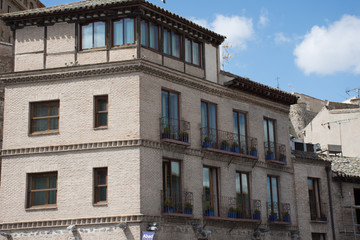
(319, 213)
(177, 203)
(228, 142)
(275, 152)
(174, 130)
(278, 212)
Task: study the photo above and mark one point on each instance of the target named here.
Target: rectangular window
(318, 236)
(101, 111)
(172, 184)
(149, 35)
(273, 196)
(172, 45)
(100, 185)
(192, 52)
(208, 121)
(124, 32)
(2, 4)
(243, 193)
(269, 132)
(314, 198)
(44, 117)
(42, 189)
(9, 9)
(210, 191)
(93, 35)
(239, 120)
(170, 113)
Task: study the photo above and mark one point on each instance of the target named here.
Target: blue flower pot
(165, 135)
(209, 213)
(270, 156)
(286, 218)
(273, 218)
(225, 148)
(256, 216)
(168, 210)
(324, 219)
(232, 214)
(184, 139)
(206, 145)
(282, 159)
(188, 211)
(253, 153)
(235, 149)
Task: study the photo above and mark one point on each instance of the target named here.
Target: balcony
(177, 205)
(318, 214)
(278, 213)
(175, 131)
(275, 152)
(231, 209)
(228, 143)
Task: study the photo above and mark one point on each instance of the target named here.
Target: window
(269, 132)
(192, 52)
(124, 32)
(44, 117)
(172, 43)
(208, 121)
(31, 5)
(149, 35)
(273, 195)
(93, 35)
(239, 120)
(318, 236)
(26, 2)
(172, 184)
(210, 190)
(243, 193)
(314, 198)
(100, 185)
(9, 9)
(42, 189)
(170, 113)
(2, 4)
(101, 111)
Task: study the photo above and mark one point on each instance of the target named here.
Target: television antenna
(225, 55)
(277, 82)
(356, 90)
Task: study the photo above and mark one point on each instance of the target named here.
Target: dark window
(318, 236)
(172, 184)
(2, 4)
(93, 35)
(299, 146)
(208, 121)
(42, 189)
(9, 9)
(243, 193)
(273, 195)
(170, 112)
(101, 111)
(192, 52)
(172, 43)
(314, 198)
(31, 5)
(124, 31)
(100, 185)
(44, 116)
(210, 190)
(269, 132)
(239, 120)
(309, 147)
(149, 35)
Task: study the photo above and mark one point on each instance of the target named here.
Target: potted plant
(273, 216)
(253, 151)
(225, 145)
(188, 208)
(206, 142)
(286, 217)
(235, 147)
(209, 211)
(323, 218)
(269, 155)
(232, 212)
(168, 207)
(313, 217)
(257, 214)
(166, 132)
(239, 213)
(184, 137)
(282, 157)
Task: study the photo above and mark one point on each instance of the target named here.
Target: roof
(92, 5)
(339, 105)
(261, 90)
(346, 167)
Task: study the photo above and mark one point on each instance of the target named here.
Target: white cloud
(201, 22)
(327, 50)
(280, 38)
(263, 18)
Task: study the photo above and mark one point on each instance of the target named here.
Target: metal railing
(275, 151)
(278, 212)
(177, 203)
(319, 214)
(228, 141)
(174, 129)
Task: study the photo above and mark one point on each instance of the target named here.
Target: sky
(310, 47)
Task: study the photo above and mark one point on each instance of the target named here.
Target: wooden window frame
(216, 205)
(207, 117)
(96, 186)
(98, 112)
(169, 161)
(268, 131)
(93, 38)
(317, 203)
(191, 52)
(33, 119)
(171, 49)
(123, 25)
(148, 39)
(30, 179)
(248, 185)
(321, 236)
(271, 193)
(246, 128)
(169, 105)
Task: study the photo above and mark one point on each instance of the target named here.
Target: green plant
(273, 213)
(184, 134)
(232, 209)
(166, 129)
(253, 148)
(188, 205)
(234, 145)
(224, 143)
(168, 203)
(286, 214)
(282, 155)
(208, 207)
(206, 139)
(257, 211)
(269, 151)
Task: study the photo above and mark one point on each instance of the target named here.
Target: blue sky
(311, 47)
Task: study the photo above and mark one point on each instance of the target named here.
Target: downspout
(328, 169)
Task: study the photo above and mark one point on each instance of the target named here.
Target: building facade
(119, 123)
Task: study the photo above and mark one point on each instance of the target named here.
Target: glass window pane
(39, 183)
(175, 45)
(38, 198)
(144, 33)
(195, 53)
(52, 197)
(99, 34)
(238, 190)
(129, 31)
(212, 122)
(269, 200)
(206, 177)
(166, 41)
(54, 123)
(102, 119)
(102, 193)
(41, 125)
(41, 111)
(187, 50)
(175, 180)
(118, 33)
(242, 129)
(102, 104)
(87, 36)
(101, 177)
(275, 194)
(174, 106)
(164, 104)
(236, 127)
(52, 181)
(154, 36)
(204, 119)
(271, 131)
(54, 110)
